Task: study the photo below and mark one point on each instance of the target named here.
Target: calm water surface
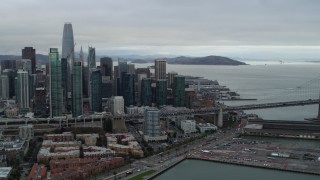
(204, 170)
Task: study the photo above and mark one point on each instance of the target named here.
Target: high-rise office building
(146, 93)
(178, 91)
(151, 124)
(77, 99)
(122, 69)
(30, 53)
(12, 74)
(106, 66)
(128, 89)
(23, 90)
(107, 87)
(95, 90)
(171, 76)
(65, 85)
(131, 69)
(4, 87)
(68, 51)
(161, 92)
(24, 64)
(138, 86)
(117, 105)
(91, 57)
(56, 91)
(160, 69)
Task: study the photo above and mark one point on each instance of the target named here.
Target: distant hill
(208, 60)
(39, 57)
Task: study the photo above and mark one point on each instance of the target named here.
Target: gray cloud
(190, 27)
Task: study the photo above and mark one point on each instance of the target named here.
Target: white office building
(188, 126)
(117, 105)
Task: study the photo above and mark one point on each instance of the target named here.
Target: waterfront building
(203, 127)
(56, 91)
(77, 98)
(124, 143)
(95, 90)
(30, 53)
(178, 91)
(106, 66)
(160, 69)
(151, 125)
(23, 90)
(68, 52)
(188, 126)
(171, 76)
(128, 88)
(26, 132)
(117, 105)
(161, 92)
(146, 93)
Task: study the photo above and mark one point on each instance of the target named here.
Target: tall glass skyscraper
(161, 92)
(178, 91)
(64, 74)
(106, 66)
(146, 93)
(128, 89)
(77, 100)
(91, 57)
(68, 50)
(30, 53)
(56, 91)
(23, 89)
(95, 90)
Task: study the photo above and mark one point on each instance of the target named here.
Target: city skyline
(255, 29)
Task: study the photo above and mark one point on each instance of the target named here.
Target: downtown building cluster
(72, 85)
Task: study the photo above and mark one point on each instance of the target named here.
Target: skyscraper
(68, 53)
(106, 66)
(65, 85)
(178, 91)
(30, 53)
(4, 87)
(130, 69)
(23, 90)
(128, 89)
(151, 124)
(146, 93)
(171, 76)
(161, 92)
(160, 69)
(77, 100)
(91, 57)
(95, 90)
(56, 91)
(122, 69)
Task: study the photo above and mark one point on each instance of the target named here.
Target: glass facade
(95, 90)
(64, 73)
(161, 92)
(128, 89)
(178, 91)
(56, 91)
(77, 99)
(146, 93)
(151, 125)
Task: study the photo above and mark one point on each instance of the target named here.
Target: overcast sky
(264, 29)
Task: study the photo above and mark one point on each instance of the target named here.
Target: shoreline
(153, 176)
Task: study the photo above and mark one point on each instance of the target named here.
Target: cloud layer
(186, 27)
